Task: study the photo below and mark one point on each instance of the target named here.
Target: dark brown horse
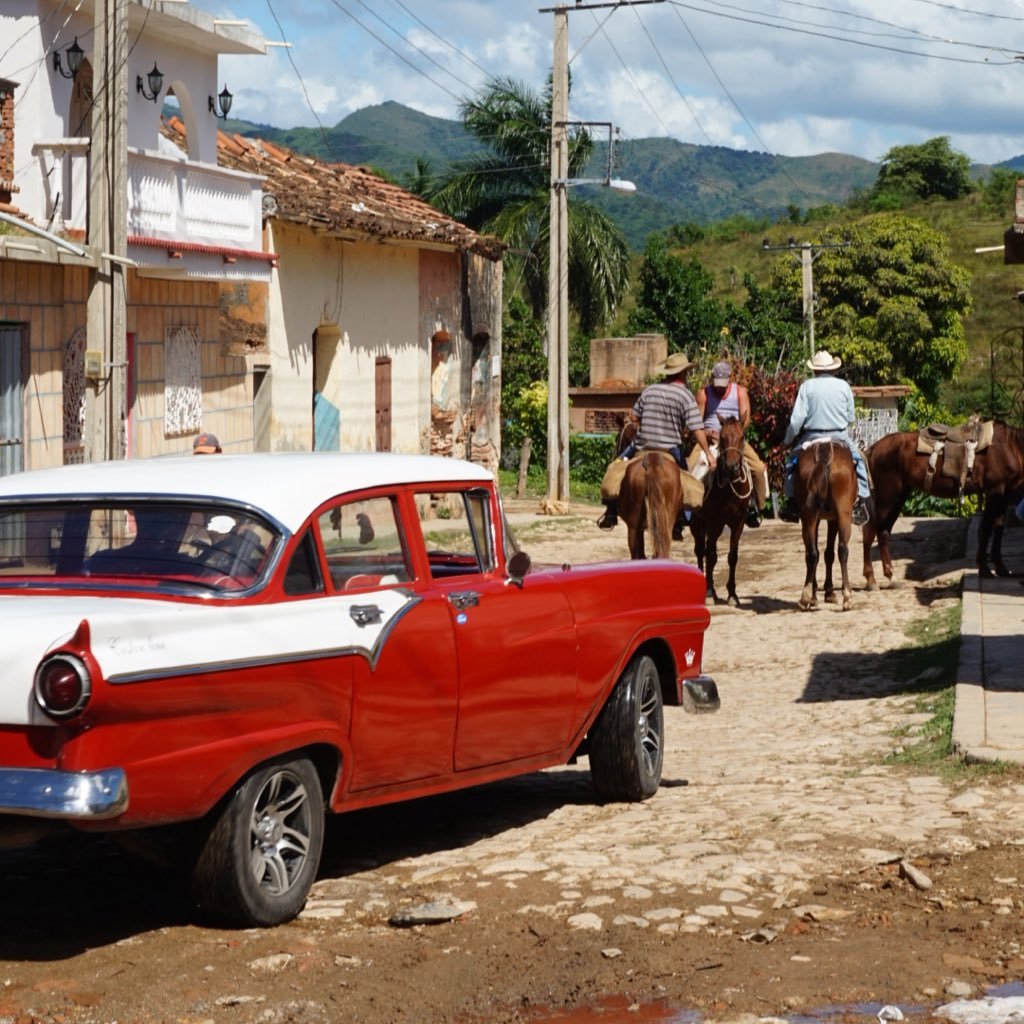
(726, 500)
(825, 487)
(649, 499)
(897, 468)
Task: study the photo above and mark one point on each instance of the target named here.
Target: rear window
(176, 545)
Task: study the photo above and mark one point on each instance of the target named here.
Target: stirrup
(608, 521)
(859, 516)
(753, 517)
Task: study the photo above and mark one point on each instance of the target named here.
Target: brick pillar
(7, 186)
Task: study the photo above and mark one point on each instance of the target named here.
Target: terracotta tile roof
(339, 197)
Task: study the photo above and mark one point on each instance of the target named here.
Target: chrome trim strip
(50, 793)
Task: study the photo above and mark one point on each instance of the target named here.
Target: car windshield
(198, 546)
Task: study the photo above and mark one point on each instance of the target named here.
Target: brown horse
(897, 468)
(825, 486)
(726, 499)
(650, 498)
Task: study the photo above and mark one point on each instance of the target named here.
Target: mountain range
(677, 183)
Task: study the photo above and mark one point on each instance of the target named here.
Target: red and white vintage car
(240, 643)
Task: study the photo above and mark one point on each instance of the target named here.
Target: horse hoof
(733, 602)
(831, 599)
(710, 600)
(871, 585)
(847, 605)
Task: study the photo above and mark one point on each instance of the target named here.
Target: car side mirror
(518, 568)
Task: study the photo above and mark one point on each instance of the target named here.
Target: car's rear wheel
(626, 741)
(262, 853)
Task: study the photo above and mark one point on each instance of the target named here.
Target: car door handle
(365, 614)
(463, 599)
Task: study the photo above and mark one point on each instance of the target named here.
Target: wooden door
(382, 403)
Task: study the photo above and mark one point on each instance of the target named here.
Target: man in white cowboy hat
(665, 412)
(719, 399)
(824, 408)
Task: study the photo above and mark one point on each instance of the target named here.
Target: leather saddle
(956, 446)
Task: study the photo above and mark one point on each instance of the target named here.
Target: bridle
(733, 477)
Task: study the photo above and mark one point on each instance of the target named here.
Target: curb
(970, 736)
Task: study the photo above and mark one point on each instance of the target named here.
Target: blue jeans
(676, 452)
(863, 491)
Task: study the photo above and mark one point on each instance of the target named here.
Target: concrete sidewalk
(988, 722)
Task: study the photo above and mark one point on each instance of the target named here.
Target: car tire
(626, 742)
(262, 853)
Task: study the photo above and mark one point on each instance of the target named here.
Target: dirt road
(764, 878)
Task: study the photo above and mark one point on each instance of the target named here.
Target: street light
(615, 184)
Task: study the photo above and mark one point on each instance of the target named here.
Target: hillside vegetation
(731, 250)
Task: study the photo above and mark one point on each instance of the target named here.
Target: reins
(721, 480)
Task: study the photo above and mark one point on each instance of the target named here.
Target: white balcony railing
(168, 198)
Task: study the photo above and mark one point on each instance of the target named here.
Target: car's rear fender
(213, 770)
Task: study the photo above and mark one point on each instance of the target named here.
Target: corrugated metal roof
(337, 197)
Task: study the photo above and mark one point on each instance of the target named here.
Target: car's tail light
(62, 686)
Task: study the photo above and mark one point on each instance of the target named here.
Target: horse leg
(998, 504)
(868, 536)
(985, 532)
(844, 529)
(809, 597)
(714, 531)
(734, 557)
(831, 530)
(699, 539)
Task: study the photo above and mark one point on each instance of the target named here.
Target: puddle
(620, 1010)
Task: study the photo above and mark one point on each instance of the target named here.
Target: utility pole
(106, 317)
(558, 260)
(809, 252)
(558, 270)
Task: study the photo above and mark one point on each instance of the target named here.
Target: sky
(789, 77)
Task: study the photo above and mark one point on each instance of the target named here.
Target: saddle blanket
(693, 489)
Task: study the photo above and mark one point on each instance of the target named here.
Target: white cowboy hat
(824, 362)
(675, 364)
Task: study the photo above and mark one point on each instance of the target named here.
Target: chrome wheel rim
(280, 831)
(649, 722)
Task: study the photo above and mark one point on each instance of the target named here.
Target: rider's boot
(788, 511)
(753, 515)
(610, 517)
(862, 511)
(680, 524)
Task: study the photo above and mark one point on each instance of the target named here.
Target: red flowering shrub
(771, 402)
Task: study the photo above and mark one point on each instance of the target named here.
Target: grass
(934, 645)
(537, 485)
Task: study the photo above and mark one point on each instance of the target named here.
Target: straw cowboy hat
(675, 364)
(824, 362)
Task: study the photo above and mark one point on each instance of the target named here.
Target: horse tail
(819, 483)
(659, 519)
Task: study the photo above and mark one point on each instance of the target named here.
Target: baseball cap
(720, 374)
(205, 444)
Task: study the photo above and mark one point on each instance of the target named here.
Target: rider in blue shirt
(824, 408)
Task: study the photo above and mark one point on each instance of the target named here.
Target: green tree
(932, 168)
(674, 298)
(506, 191)
(768, 327)
(892, 304)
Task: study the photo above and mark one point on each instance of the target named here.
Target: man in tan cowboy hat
(665, 412)
(824, 408)
(719, 399)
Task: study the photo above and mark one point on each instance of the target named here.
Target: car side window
(303, 575)
(457, 532)
(363, 544)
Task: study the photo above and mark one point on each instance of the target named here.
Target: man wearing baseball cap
(665, 412)
(824, 407)
(206, 444)
(721, 398)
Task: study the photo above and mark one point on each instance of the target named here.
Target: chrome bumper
(700, 695)
(48, 793)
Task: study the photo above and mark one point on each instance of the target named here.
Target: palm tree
(506, 191)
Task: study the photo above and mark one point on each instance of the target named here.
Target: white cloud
(660, 69)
